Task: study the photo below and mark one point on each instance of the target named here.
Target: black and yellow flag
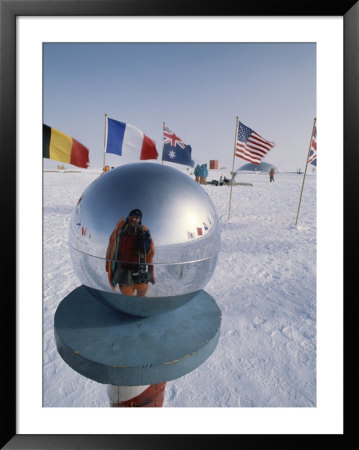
(61, 147)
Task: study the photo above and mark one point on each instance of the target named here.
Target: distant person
(271, 175)
(106, 169)
(129, 254)
(203, 174)
(197, 173)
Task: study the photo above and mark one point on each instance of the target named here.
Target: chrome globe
(182, 222)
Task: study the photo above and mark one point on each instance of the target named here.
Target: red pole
(137, 396)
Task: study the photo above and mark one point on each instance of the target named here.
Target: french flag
(122, 137)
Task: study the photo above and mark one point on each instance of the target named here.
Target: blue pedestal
(112, 347)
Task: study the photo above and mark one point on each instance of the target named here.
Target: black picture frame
(9, 10)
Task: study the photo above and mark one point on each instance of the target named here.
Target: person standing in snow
(129, 253)
(196, 173)
(271, 175)
(200, 173)
(203, 174)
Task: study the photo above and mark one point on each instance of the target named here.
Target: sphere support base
(115, 348)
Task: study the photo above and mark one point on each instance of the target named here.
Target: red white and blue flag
(175, 150)
(312, 159)
(250, 145)
(124, 137)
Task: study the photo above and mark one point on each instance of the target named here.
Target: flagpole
(104, 144)
(164, 124)
(305, 171)
(234, 154)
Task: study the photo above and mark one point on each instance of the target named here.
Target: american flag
(250, 145)
(312, 159)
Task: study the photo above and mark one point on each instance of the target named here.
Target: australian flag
(175, 150)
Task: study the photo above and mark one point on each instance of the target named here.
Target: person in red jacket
(129, 256)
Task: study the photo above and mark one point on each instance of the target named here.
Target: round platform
(111, 347)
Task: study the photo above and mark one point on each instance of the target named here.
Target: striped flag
(312, 159)
(124, 137)
(61, 147)
(250, 145)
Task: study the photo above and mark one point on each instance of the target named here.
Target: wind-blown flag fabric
(250, 145)
(124, 137)
(175, 150)
(61, 147)
(312, 159)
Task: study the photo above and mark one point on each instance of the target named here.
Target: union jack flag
(312, 159)
(169, 137)
(174, 149)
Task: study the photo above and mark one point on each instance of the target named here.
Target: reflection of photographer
(129, 255)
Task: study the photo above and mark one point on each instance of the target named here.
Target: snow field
(264, 284)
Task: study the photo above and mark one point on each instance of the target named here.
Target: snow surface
(264, 284)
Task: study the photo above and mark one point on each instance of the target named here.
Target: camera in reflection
(142, 275)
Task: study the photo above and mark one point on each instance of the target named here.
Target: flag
(123, 137)
(61, 147)
(250, 145)
(175, 150)
(312, 159)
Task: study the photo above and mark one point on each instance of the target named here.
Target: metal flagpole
(105, 141)
(234, 154)
(164, 124)
(305, 171)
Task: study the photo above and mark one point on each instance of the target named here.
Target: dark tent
(262, 167)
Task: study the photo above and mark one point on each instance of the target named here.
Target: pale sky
(197, 89)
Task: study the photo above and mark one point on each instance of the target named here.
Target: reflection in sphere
(180, 219)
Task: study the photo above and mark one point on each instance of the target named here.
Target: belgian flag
(61, 147)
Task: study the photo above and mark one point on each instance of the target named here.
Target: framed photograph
(41, 43)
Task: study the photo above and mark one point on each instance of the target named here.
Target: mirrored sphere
(182, 223)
